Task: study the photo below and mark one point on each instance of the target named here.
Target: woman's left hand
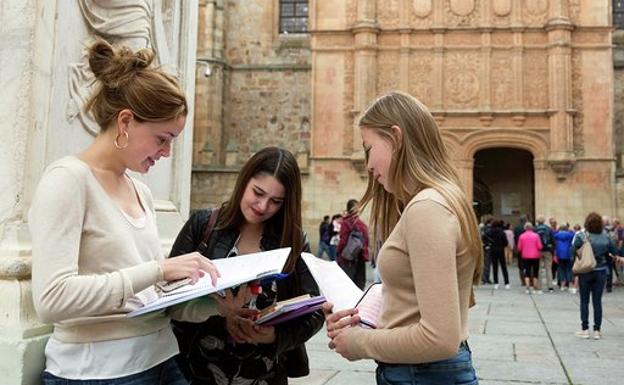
(257, 334)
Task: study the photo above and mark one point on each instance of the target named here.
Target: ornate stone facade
(534, 75)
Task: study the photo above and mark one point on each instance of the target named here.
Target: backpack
(354, 246)
(545, 237)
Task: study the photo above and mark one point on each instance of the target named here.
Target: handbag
(585, 260)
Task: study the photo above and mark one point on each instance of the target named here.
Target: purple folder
(293, 311)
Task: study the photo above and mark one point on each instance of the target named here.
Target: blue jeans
(453, 371)
(324, 248)
(564, 272)
(166, 373)
(592, 282)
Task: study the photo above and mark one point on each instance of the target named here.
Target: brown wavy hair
(127, 80)
(593, 223)
(285, 225)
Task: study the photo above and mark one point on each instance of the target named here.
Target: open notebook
(234, 272)
(338, 289)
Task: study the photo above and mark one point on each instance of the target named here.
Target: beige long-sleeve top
(427, 276)
(89, 259)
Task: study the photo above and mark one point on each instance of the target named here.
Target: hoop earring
(116, 141)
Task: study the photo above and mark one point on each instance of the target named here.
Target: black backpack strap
(212, 221)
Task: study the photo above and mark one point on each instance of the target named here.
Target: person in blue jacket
(563, 242)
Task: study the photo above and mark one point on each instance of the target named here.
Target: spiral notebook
(339, 289)
(234, 271)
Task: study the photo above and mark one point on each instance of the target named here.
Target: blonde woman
(431, 257)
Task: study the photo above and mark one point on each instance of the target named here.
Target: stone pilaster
(559, 28)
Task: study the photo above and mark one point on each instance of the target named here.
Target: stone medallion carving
(422, 8)
(535, 11)
(462, 86)
(501, 7)
(462, 7)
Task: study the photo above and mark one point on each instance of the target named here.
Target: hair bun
(113, 66)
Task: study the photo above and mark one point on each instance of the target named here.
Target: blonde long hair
(420, 161)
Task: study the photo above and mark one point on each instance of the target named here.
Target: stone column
(518, 116)
(364, 89)
(559, 27)
(437, 88)
(46, 41)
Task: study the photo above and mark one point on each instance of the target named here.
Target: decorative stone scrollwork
(462, 80)
(562, 167)
(501, 7)
(535, 12)
(462, 7)
(388, 14)
(462, 86)
(422, 8)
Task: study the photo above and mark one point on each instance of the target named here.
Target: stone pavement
(516, 339)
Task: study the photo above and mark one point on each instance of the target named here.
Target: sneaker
(551, 290)
(539, 292)
(563, 288)
(597, 334)
(527, 291)
(554, 282)
(573, 290)
(507, 286)
(584, 334)
(496, 286)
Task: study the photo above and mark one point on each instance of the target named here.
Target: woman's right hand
(339, 320)
(192, 265)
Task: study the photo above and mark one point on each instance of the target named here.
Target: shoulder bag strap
(212, 221)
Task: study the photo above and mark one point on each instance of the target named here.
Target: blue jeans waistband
(462, 346)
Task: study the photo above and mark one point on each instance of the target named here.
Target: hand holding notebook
(338, 289)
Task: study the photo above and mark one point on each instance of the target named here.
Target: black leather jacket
(289, 348)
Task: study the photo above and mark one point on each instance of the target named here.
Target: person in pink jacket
(529, 246)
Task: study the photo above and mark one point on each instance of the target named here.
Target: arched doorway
(503, 184)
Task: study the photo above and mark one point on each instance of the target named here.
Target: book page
(370, 306)
(333, 282)
(234, 271)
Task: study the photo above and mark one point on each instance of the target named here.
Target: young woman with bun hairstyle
(94, 235)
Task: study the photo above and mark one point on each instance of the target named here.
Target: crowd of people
(546, 254)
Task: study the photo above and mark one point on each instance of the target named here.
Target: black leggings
(498, 257)
(531, 267)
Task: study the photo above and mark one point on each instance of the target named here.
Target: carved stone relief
(387, 74)
(574, 7)
(501, 7)
(462, 7)
(536, 79)
(138, 24)
(348, 101)
(535, 12)
(462, 13)
(577, 102)
(351, 12)
(421, 8)
(420, 80)
(501, 12)
(388, 14)
(462, 79)
(420, 14)
(502, 80)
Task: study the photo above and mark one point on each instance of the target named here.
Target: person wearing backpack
(545, 234)
(352, 251)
